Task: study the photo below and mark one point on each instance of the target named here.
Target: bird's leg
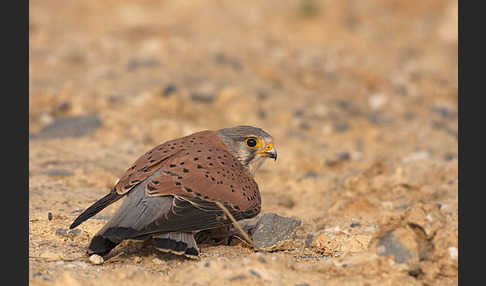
(237, 225)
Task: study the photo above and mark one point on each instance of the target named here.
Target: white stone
(96, 259)
(377, 101)
(453, 252)
(416, 156)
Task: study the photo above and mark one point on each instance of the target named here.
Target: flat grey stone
(58, 172)
(272, 228)
(393, 246)
(73, 126)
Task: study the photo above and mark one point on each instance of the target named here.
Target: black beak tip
(272, 155)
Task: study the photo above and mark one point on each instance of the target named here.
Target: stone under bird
(175, 190)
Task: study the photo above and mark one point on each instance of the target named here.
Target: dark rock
(74, 232)
(355, 224)
(49, 216)
(343, 104)
(416, 272)
(61, 109)
(203, 97)
(272, 228)
(61, 231)
(341, 127)
(238, 277)
(308, 8)
(73, 126)
(254, 273)
(304, 126)
(449, 156)
(58, 172)
(309, 175)
(444, 112)
(379, 119)
(442, 126)
(299, 113)
(67, 233)
(394, 247)
(169, 90)
(222, 59)
(341, 157)
(401, 90)
(352, 22)
(102, 217)
(308, 240)
(262, 95)
(261, 114)
(402, 207)
(135, 64)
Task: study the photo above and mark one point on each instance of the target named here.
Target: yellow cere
(267, 148)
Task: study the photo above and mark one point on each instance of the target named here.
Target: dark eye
(251, 142)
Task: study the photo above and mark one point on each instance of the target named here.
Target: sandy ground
(360, 96)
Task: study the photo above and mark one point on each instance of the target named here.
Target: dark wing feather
(143, 167)
(141, 215)
(96, 208)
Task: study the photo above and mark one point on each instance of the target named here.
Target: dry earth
(360, 96)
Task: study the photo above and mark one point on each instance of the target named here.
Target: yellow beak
(268, 151)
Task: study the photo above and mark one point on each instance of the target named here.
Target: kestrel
(172, 191)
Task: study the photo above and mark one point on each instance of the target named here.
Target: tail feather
(96, 208)
(100, 245)
(180, 243)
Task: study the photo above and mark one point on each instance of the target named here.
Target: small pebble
(157, 261)
(65, 232)
(309, 239)
(49, 216)
(341, 127)
(376, 101)
(169, 90)
(453, 252)
(202, 97)
(311, 174)
(256, 274)
(58, 173)
(96, 259)
(61, 231)
(355, 224)
(238, 277)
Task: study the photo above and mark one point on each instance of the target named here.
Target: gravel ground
(360, 97)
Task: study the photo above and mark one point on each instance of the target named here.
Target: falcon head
(249, 144)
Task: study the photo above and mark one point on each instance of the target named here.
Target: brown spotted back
(198, 166)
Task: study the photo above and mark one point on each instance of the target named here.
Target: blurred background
(360, 97)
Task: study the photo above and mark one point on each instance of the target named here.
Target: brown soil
(360, 96)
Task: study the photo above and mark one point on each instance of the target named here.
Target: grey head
(251, 145)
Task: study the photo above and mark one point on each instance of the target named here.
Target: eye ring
(252, 142)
